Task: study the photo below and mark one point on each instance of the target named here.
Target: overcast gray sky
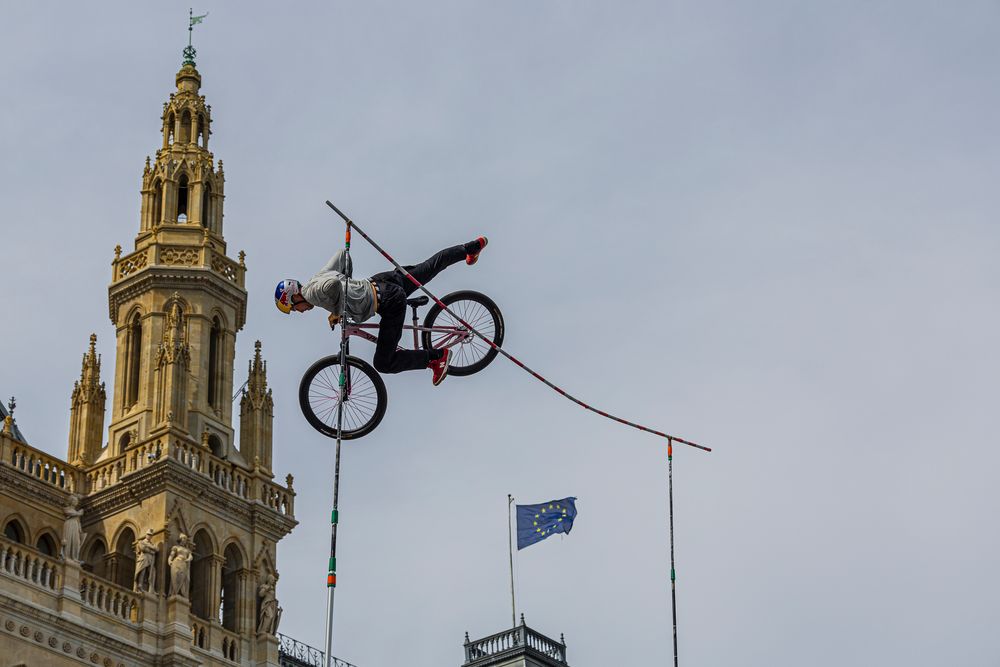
(769, 227)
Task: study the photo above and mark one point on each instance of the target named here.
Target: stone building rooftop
(15, 431)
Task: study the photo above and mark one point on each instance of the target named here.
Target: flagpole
(510, 552)
(673, 575)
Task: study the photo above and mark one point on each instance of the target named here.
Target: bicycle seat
(418, 301)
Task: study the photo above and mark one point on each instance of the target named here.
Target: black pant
(394, 288)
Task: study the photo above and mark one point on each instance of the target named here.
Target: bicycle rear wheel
(364, 398)
(470, 354)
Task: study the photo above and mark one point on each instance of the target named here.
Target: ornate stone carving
(226, 267)
(179, 561)
(179, 256)
(270, 612)
(73, 535)
(132, 263)
(145, 562)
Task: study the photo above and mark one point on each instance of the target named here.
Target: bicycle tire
(319, 397)
(480, 311)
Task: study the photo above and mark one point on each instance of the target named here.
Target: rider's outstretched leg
(425, 271)
(393, 289)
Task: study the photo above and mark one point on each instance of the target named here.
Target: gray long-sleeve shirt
(325, 287)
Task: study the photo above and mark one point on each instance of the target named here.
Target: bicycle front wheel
(364, 397)
(470, 354)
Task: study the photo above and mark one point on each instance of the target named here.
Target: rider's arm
(341, 263)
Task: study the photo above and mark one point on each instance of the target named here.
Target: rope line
(560, 391)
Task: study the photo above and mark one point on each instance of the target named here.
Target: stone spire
(176, 298)
(86, 422)
(257, 414)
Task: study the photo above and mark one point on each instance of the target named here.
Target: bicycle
(365, 397)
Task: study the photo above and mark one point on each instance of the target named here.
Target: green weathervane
(189, 52)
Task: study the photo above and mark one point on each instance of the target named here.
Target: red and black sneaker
(473, 257)
(440, 367)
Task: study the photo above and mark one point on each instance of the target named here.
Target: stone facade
(154, 542)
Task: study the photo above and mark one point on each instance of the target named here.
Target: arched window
(202, 131)
(133, 353)
(214, 365)
(206, 205)
(215, 445)
(124, 442)
(157, 202)
(201, 575)
(47, 545)
(94, 559)
(185, 136)
(13, 531)
(125, 559)
(168, 131)
(231, 593)
(182, 199)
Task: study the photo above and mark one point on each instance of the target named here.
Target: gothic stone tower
(170, 477)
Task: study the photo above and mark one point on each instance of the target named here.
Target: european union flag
(536, 522)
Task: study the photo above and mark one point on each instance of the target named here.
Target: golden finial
(288, 481)
(118, 252)
(243, 263)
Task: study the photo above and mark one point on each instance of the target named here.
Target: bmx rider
(384, 293)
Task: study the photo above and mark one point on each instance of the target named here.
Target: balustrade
(24, 563)
(129, 264)
(143, 455)
(40, 465)
(110, 598)
(229, 476)
(306, 654)
(189, 455)
(228, 269)
(521, 637)
(199, 634)
(279, 499)
(106, 474)
(230, 645)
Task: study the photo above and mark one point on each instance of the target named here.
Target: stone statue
(73, 535)
(145, 562)
(270, 612)
(180, 566)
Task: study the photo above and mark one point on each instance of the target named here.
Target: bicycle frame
(454, 335)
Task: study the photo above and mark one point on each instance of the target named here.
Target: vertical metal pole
(673, 575)
(510, 552)
(331, 575)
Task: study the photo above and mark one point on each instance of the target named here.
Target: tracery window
(214, 365)
(182, 199)
(133, 354)
(230, 593)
